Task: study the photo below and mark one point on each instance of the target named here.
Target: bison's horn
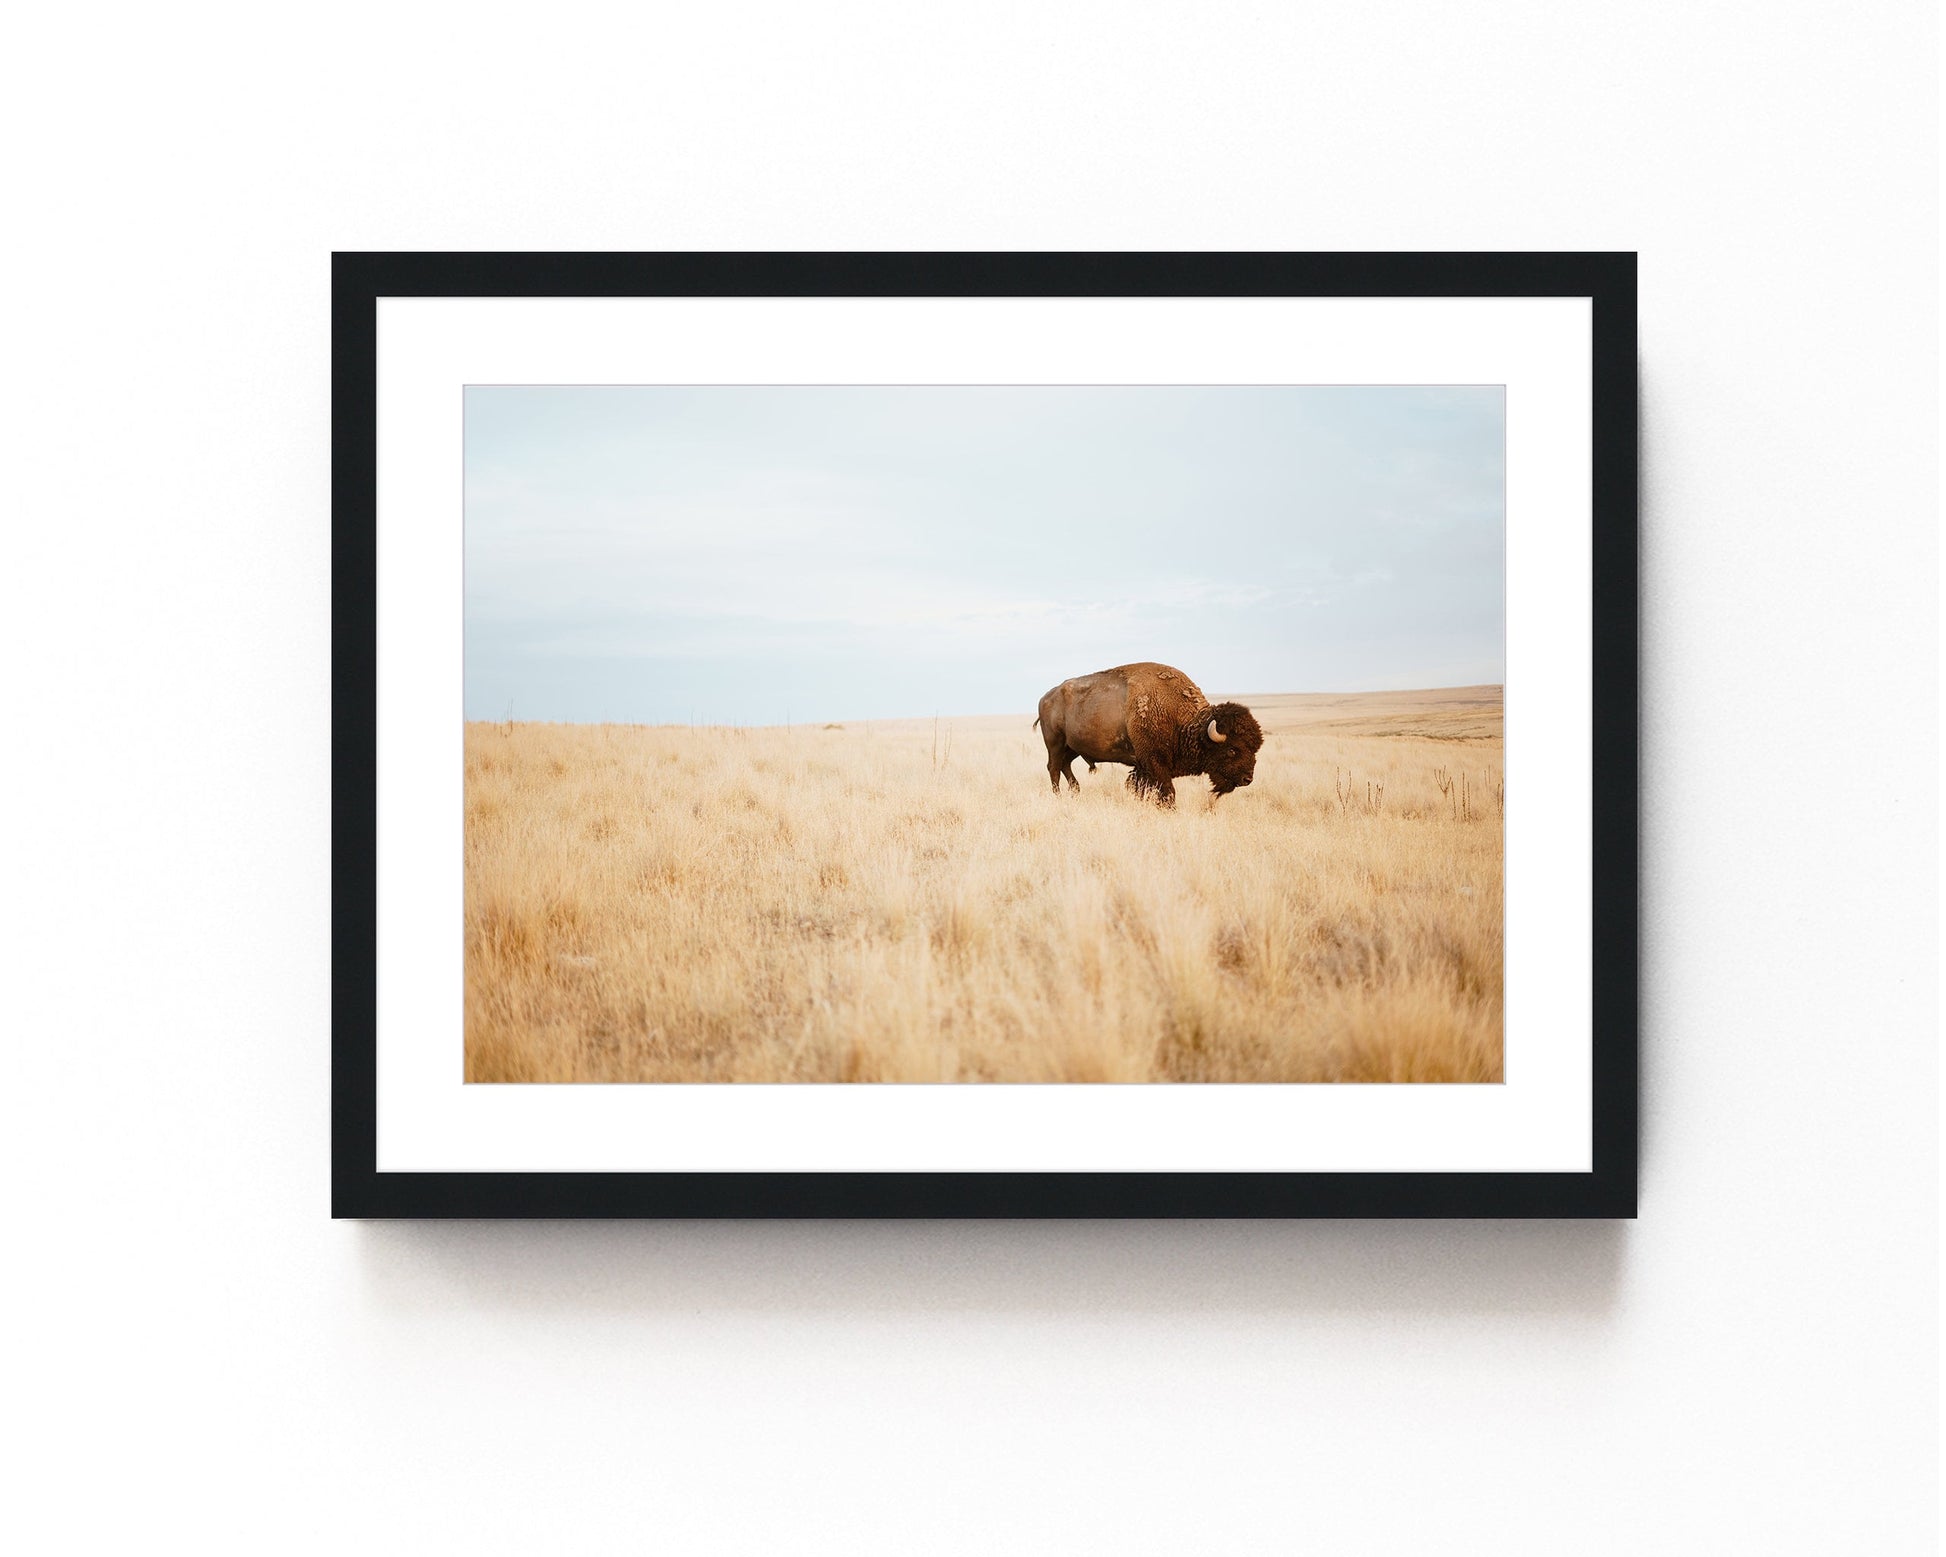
(1215, 734)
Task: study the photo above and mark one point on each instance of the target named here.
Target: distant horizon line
(791, 724)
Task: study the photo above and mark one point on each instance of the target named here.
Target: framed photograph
(998, 735)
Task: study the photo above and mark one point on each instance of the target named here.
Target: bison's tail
(1037, 721)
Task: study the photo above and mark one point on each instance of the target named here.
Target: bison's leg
(1060, 765)
(1150, 784)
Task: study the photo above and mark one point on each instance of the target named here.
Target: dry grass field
(908, 902)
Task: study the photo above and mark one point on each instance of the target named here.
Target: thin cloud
(878, 551)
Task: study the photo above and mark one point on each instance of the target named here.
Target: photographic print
(984, 734)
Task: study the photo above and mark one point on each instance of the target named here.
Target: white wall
(198, 1353)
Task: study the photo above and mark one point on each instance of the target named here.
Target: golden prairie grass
(847, 904)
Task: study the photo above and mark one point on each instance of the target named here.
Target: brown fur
(1154, 719)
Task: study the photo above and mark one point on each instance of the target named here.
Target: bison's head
(1229, 738)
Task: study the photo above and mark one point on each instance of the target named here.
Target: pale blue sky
(748, 555)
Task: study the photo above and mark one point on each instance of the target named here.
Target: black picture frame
(359, 1190)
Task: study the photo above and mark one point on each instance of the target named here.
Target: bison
(1156, 720)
